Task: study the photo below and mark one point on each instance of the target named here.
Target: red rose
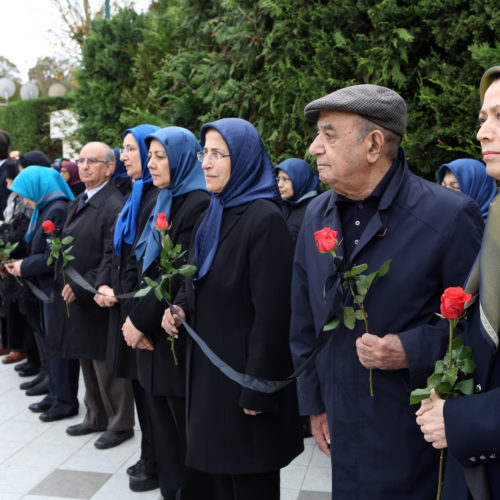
(48, 226)
(453, 301)
(161, 222)
(326, 239)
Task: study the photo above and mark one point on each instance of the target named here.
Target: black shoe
(32, 383)
(110, 439)
(80, 430)
(136, 468)
(21, 366)
(39, 389)
(29, 370)
(39, 407)
(143, 482)
(50, 416)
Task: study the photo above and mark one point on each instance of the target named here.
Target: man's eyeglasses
(90, 161)
(282, 178)
(211, 156)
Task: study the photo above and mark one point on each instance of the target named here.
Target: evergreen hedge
(264, 60)
(28, 124)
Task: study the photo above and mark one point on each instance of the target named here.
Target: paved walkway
(39, 461)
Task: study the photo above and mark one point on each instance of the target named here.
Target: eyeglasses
(281, 178)
(127, 151)
(211, 156)
(90, 161)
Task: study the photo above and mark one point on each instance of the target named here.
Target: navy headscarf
(252, 177)
(120, 172)
(304, 181)
(41, 185)
(125, 228)
(186, 175)
(473, 180)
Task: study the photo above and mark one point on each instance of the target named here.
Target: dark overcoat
(294, 215)
(241, 308)
(35, 264)
(157, 371)
(432, 236)
(472, 422)
(120, 273)
(84, 334)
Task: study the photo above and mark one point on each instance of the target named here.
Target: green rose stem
(452, 323)
(170, 339)
(64, 281)
(365, 319)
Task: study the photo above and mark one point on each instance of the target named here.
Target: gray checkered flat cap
(378, 104)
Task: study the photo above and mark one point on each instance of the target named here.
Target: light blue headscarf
(473, 180)
(186, 175)
(125, 228)
(252, 177)
(41, 185)
(305, 182)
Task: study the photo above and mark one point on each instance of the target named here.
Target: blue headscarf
(120, 172)
(186, 175)
(252, 177)
(305, 182)
(473, 180)
(125, 228)
(41, 185)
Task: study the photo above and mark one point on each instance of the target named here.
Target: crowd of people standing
(256, 301)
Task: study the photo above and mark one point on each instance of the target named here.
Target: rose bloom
(161, 222)
(453, 302)
(48, 226)
(326, 239)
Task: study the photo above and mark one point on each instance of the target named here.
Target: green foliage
(264, 60)
(448, 378)
(28, 123)
(107, 57)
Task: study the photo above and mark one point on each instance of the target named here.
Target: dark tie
(81, 202)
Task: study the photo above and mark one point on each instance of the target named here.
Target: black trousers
(143, 414)
(168, 418)
(263, 486)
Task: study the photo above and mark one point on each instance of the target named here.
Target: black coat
(120, 272)
(157, 371)
(35, 265)
(294, 215)
(84, 334)
(242, 310)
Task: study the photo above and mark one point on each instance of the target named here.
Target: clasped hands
(106, 300)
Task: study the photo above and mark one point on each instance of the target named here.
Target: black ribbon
(243, 379)
(334, 281)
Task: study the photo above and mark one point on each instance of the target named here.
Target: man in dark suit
(381, 211)
(82, 335)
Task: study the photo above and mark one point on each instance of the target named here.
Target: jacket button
(472, 459)
(482, 457)
(478, 388)
(493, 455)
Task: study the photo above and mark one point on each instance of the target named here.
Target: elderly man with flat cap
(470, 426)
(381, 211)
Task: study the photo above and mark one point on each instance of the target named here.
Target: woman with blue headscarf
(48, 193)
(471, 178)
(176, 171)
(118, 275)
(298, 185)
(239, 303)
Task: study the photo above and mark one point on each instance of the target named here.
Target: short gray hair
(391, 139)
